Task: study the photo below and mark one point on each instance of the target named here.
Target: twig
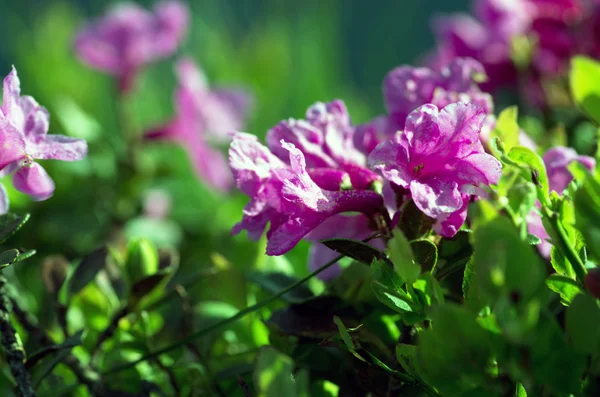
(111, 328)
(83, 372)
(187, 324)
(13, 348)
(221, 324)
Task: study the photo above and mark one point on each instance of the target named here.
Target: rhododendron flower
(556, 160)
(558, 29)
(439, 158)
(406, 88)
(285, 195)
(326, 139)
(24, 138)
(202, 114)
(129, 37)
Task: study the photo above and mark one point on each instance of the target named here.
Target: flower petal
(33, 180)
(12, 143)
(303, 135)
(436, 197)
(58, 147)
(451, 225)
(391, 159)
(3, 200)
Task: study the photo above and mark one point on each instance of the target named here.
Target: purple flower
(285, 195)
(326, 138)
(406, 88)
(129, 37)
(439, 158)
(560, 28)
(24, 138)
(556, 160)
(202, 114)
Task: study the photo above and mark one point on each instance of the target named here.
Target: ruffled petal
(436, 197)
(391, 159)
(58, 147)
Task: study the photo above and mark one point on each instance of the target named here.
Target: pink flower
(129, 37)
(204, 114)
(285, 195)
(24, 138)
(439, 158)
(556, 160)
(560, 28)
(406, 88)
(326, 139)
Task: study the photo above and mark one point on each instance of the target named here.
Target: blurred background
(289, 54)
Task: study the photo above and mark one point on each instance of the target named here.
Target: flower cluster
(556, 30)
(24, 138)
(312, 171)
(129, 37)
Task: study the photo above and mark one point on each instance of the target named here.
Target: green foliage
(584, 76)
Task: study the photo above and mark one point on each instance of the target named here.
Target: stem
(83, 372)
(567, 247)
(221, 324)
(110, 330)
(13, 348)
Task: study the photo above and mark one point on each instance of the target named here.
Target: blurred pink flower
(24, 138)
(556, 160)
(203, 115)
(129, 37)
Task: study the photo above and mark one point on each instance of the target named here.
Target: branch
(15, 353)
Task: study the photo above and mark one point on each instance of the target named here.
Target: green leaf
(142, 259)
(147, 290)
(356, 250)
(63, 351)
(453, 354)
(587, 214)
(413, 222)
(406, 355)
(566, 287)
(531, 161)
(25, 255)
(9, 224)
(426, 254)
(468, 277)
(344, 333)
(275, 282)
(522, 197)
(507, 127)
(273, 374)
(584, 78)
(505, 265)
(7, 258)
(86, 271)
(402, 257)
(387, 286)
(583, 324)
